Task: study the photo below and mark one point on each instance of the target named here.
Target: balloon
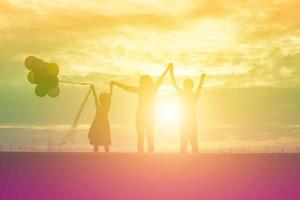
(52, 69)
(41, 90)
(44, 75)
(29, 61)
(39, 66)
(40, 78)
(30, 77)
(51, 82)
(54, 92)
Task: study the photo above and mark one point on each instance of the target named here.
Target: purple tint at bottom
(87, 176)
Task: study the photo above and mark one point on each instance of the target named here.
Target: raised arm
(200, 86)
(94, 94)
(128, 88)
(174, 82)
(111, 86)
(161, 78)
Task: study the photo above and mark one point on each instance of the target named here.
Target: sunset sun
(167, 110)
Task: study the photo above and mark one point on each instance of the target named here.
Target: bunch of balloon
(44, 75)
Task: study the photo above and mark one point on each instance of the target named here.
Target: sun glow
(167, 110)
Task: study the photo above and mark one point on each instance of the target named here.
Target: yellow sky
(238, 43)
(129, 37)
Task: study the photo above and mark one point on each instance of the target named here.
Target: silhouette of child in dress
(99, 134)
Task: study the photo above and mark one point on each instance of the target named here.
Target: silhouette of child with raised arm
(188, 101)
(99, 134)
(146, 91)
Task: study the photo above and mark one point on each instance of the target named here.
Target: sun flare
(167, 110)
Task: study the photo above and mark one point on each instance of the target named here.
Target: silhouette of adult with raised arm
(146, 91)
(99, 134)
(188, 101)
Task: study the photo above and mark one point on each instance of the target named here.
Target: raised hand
(111, 83)
(200, 86)
(171, 67)
(162, 76)
(94, 94)
(174, 82)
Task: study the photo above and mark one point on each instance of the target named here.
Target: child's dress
(99, 133)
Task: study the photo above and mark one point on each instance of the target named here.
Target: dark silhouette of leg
(141, 142)
(106, 148)
(96, 147)
(149, 132)
(194, 142)
(184, 143)
(140, 135)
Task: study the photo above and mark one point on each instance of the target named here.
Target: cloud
(213, 9)
(274, 20)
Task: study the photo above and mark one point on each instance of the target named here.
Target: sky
(248, 49)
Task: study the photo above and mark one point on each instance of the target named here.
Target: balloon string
(72, 131)
(74, 83)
